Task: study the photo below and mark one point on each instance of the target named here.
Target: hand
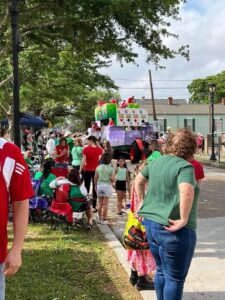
(13, 262)
(175, 225)
(136, 215)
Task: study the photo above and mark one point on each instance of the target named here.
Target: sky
(202, 27)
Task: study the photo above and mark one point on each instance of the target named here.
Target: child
(141, 261)
(122, 184)
(104, 177)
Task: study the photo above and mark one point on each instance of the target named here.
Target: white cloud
(202, 28)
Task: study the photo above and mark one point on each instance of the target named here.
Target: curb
(120, 252)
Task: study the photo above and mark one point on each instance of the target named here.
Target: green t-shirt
(154, 155)
(77, 155)
(70, 143)
(44, 188)
(162, 198)
(29, 161)
(75, 192)
(121, 174)
(104, 173)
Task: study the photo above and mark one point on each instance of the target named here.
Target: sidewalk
(206, 278)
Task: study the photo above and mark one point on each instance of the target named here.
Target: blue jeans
(173, 252)
(2, 282)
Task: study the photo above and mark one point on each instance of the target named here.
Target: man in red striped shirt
(15, 187)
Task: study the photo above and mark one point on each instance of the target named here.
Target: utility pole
(152, 96)
(14, 9)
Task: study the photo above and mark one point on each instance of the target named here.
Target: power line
(154, 79)
(159, 88)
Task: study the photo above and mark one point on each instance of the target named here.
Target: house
(178, 113)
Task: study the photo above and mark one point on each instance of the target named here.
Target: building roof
(183, 109)
(161, 101)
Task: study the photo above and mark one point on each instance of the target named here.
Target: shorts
(121, 185)
(104, 190)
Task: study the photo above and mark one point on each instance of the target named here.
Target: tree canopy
(65, 42)
(199, 88)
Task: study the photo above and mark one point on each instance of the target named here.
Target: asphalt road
(212, 194)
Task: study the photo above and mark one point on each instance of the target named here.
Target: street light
(212, 89)
(14, 9)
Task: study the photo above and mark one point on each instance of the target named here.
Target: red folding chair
(61, 210)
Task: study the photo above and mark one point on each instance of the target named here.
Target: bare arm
(113, 177)
(186, 201)
(20, 220)
(56, 155)
(128, 182)
(83, 163)
(139, 184)
(96, 178)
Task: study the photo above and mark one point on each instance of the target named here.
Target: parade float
(125, 125)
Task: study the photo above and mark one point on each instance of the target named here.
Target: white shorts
(104, 190)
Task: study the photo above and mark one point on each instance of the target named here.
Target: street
(212, 195)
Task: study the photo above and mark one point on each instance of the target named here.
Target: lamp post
(14, 9)
(212, 89)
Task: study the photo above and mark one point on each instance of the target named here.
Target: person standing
(39, 140)
(169, 212)
(91, 156)
(62, 153)
(104, 177)
(50, 145)
(122, 184)
(107, 148)
(15, 184)
(142, 263)
(77, 153)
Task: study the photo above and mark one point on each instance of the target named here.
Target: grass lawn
(74, 266)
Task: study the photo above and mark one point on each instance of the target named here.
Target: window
(190, 124)
(218, 123)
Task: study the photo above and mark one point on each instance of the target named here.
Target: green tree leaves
(199, 88)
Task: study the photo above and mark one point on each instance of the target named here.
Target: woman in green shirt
(77, 153)
(169, 212)
(45, 176)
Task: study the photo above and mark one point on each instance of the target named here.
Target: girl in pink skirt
(141, 261)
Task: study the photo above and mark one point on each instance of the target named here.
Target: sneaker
(133, 277)
(144, 283)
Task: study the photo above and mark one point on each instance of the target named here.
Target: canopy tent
(28, 120)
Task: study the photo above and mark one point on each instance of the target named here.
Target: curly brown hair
(184, 144)
(166, 147)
